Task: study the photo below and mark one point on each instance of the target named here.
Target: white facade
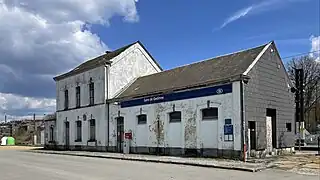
(191, 133)
(108, 81)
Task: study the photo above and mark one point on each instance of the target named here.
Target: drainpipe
(108, 104)
(243, 143)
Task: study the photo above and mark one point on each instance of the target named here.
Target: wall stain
(156, 129)
(190, 129)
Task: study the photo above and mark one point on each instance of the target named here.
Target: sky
(40, 39)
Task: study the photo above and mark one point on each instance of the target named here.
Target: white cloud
(315, 47)
(237, 15)
(263, 6)
(42, 38)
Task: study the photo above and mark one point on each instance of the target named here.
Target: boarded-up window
(66, 99)
(91, 93)
(142, 119)
(175, 116)
(79, 131)
(92, 130)
(51, 134)
(78, 96)
(210, 114)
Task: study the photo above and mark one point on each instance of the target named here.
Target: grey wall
(268, 88)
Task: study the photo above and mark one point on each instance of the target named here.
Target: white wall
(83, 80)
(129, 65)
(191, 132)
(97, 112)
(126, 67)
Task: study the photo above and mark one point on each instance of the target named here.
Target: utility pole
(35, 129)
(299, 100)
(5, 118)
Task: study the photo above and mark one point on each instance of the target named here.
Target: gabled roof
(226, 68)
(100, 60)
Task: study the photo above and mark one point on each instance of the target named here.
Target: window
(210, 114)
(142, 119)
(288, 126)
(51, 132)
(92, 130)
(175, 116)
(66, 99)
(91, 91)
(78, 96)
(79, 131)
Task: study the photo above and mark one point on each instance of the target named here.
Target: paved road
(17, 165)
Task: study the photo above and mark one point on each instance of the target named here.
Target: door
(252, 129)
(120, 134)
(67, 130)
(269, 133)
(272, 113)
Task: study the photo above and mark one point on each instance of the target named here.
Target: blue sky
(41, 39)
(180, 32)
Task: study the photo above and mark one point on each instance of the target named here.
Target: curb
(156, 161)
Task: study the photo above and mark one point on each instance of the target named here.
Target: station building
(225, 106)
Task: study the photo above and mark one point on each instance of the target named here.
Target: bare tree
(311, 79)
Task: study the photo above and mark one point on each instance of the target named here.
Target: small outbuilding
(4, 141)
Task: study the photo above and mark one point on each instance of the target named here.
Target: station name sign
(209, 91)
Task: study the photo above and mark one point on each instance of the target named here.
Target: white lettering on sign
(153, 99)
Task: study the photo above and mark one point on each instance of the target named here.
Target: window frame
(78, 96)
(208, 118)
(290, 127)
(92, 126)
(78, 131)
(142, 121)
(175, 120)
(91, 93)
(51, 133)
(66, 99)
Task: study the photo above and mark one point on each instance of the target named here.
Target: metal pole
(318, 145)
(316, 105)
(301, 103)
(35, 128)
(5, 118)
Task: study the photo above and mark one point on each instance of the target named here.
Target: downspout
(108, 104)
(243, 144)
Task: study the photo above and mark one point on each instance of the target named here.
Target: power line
(300, 54)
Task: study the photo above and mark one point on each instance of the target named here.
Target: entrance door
(120, 134)
(252, 129)
(273, 114)
(67, 130)
(269, 133)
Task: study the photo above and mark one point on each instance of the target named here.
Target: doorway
(67, 137)
(272, 113)
(120, 134)
(252, 129)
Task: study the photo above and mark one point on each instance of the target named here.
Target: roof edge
(74, 72)
(266, 46)
(154, 60)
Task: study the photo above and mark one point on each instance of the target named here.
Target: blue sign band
(217, 90)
